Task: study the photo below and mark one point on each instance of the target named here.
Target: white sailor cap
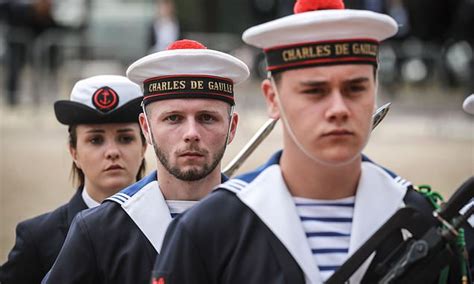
(100, 99)
(468, 104)
(187, 69)
(321, 32)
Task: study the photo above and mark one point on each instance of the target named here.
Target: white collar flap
(268, 196)
(378, 197)
(149, 211)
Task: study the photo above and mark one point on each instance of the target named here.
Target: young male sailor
(298, 218)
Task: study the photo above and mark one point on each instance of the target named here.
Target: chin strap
(287, 124)
(230, 125)
(150, 137)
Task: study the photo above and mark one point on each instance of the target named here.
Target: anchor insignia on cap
(105, 99)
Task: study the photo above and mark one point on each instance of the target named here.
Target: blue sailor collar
(248, 177)
(131, 190)
(275, 160)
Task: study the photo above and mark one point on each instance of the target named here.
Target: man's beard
(193, 174)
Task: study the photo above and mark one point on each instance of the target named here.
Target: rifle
(421, 257)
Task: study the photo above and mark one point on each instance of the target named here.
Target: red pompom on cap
(186, 44)
(302, 6)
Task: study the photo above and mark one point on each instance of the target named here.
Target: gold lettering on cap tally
(365, 49)
(220, 86)
(342, 49)
(197, 85)
(188, 86)
(166, 86)
(322, 53)
(306, 52)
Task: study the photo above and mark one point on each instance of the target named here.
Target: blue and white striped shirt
(327, 224)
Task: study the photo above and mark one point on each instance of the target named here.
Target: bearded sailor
(189, 129)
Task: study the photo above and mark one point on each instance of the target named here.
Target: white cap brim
(468, 104)
(322, 25)
(86, 105)
(188, 62)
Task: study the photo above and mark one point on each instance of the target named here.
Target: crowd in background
(434, 43)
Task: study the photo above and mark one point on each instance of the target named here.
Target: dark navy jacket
(248, 231)
(116, 242)
(38, 242)
(104, 245)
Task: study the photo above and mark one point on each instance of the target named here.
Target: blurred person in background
(459, 50)
(188, 117)
(165, 28)
(27, 21)
(430, 20)
(3, 10)
(107, 148)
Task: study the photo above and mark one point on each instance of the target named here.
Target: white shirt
(179, 206)
(91, 203)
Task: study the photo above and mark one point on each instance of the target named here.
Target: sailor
(297, 218)
(107, 148)
(188, 117)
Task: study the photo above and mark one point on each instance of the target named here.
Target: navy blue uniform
(248, 230)
(38, 242)
(116, 242)
(108, 243)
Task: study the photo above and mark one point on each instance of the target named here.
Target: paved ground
(425, 138)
